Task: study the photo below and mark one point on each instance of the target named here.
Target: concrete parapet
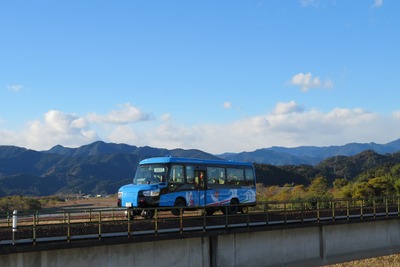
(311, 245)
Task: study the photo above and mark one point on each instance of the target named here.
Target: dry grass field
(82, 203)
(384, 261)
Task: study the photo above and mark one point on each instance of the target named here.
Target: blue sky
(220, 76)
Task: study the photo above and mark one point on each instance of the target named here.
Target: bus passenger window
(221, 175)
(235, 176)
(189, 174)
(212, 175)
(176, 175)
(249, 177)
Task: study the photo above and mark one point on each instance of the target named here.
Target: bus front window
(150, 174)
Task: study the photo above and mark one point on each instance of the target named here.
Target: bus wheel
(147, 214)
(233, 208)
(129, 214)
(210, 211)
(179, 203)
(244, 209)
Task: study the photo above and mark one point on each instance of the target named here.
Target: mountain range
(310, 155)
(101, 168)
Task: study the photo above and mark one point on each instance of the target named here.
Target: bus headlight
(151, 193)
(119, 194)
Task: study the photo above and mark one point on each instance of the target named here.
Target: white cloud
(227, 105)
(165, 117)
(283, 108)
(55, 128)
(125, 134)
(307, 82)
(126, 114)
(15, 88)
(308, 2)
(289, 124)
(377, 3)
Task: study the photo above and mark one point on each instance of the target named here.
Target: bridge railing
(32, 227)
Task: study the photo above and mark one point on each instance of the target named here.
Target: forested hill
(364, 165)
(101, 168)
(310, 155)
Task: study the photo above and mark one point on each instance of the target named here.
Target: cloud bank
(289, 124)
(306, 82)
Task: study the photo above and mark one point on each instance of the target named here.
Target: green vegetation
(22, 203)
(379, 181)
(365, 175)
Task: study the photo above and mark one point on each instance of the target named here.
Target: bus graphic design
(169, 182)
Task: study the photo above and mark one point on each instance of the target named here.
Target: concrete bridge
(311, 244)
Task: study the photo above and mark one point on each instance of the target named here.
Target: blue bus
(210, 185)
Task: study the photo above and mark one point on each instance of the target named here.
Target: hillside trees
(376, 182)
(19, 203)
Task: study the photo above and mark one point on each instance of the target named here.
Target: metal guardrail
(77, 224)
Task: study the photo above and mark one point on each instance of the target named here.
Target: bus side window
(190, 174)
(249, 174)
(240, 177)
(221, 175)
(176, 175)
(230, 176)
(212, 175)
(235, 176)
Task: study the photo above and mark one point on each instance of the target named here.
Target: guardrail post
(247, 215)
(156, 221)
(129, 222)
(284, 210)
(226, 217)
(204, 219)
(398, 206)
(34, 229)
(387, 207)
(14, 226)
(318, 215)
(181, 219)
(99, 224)
(348, 209)
(333, 210)
(374, 207)
(362, 209)
(68, 227)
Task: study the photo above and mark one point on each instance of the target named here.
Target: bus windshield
(150, 174)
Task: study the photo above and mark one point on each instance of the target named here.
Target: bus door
(200, 175)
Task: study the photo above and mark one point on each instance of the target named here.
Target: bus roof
(194, 160)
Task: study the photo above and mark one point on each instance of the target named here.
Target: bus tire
(179, 203)
(210, 212)
(207, 212)
(129, 214)
(233, 208)
(244, 209)
(147, 214)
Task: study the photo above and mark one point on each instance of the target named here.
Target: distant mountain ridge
(310, 155)
(101, 168)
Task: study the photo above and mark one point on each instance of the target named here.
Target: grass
(383, 261)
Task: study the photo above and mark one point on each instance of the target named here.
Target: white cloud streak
(126, 114)
(15, 88)
(289, 125)
(227, 105)
(377, 3)
(306, 82)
